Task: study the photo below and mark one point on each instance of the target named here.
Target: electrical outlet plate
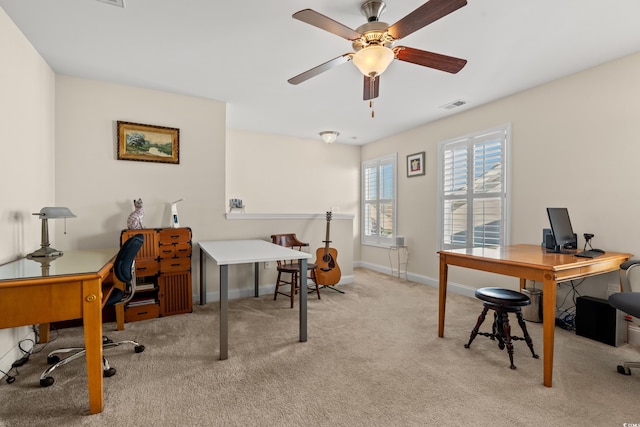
(267, 264)
(612, 288)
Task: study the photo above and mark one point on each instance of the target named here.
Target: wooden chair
(292, 268)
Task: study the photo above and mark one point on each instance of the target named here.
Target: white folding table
(227, 252)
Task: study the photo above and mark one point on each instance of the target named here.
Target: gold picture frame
(148, 143)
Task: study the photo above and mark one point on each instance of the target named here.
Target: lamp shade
(329, 136)
(373, 60)
(55, 212)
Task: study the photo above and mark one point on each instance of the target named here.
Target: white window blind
(379, 200)
(473, 190)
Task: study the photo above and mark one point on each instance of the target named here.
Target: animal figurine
(135, 218)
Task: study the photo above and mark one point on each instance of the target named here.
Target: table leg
(43, 332)
(92, 319)
(256, 279)
(303, 300)
(442, 299)
(203, 272)
(224, 309)
(548, 326)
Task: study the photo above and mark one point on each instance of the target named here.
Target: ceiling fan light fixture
(329, 136)
(373, 60)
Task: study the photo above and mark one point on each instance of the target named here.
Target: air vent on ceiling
(119, 3)
(454, 104)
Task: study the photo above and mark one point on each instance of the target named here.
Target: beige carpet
(373, 359)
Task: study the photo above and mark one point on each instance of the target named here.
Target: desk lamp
(45, 214)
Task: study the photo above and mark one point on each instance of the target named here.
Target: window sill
(255, 216)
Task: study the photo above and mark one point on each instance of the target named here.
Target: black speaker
(597, 320)
(549, 242)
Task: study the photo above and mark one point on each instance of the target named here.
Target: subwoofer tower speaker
(597, 320)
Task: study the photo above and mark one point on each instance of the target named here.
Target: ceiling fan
(374, 41)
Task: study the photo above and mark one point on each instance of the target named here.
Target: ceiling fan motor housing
(373, 9)
(373, 33)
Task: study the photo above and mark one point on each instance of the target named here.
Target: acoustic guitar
(328, 272)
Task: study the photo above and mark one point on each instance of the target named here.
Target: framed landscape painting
(147, 143)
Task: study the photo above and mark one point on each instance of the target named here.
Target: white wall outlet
(267, 264)
(612, 288)
(634, 334)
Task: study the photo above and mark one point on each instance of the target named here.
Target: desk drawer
(175, 264)
(146, 268)
(173, 235)
(175, 250)
(142, 312)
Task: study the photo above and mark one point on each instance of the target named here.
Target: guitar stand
(332, 288)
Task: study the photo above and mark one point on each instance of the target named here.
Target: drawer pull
(141, 268)
(175, 265)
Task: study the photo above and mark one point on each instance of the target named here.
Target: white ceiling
(243, 52)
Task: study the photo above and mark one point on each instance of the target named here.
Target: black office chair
(124, 270)
(627, 301)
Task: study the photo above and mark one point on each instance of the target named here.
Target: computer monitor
(561, 229)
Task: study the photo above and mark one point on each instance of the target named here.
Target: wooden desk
(72, 286)
(226, 252)
(528, 262)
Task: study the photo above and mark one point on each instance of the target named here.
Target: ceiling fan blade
(320, 69)
(430, 59)
(318, 20)
(368, 93)
(424, 15)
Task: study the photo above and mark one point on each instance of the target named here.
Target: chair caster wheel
(109, 372)
(139, 348)
(46, 382)
(624, 371)
(52, 359)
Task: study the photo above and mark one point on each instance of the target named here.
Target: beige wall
(27, 159)
(584, 126)
(100, 189)
(280, 174)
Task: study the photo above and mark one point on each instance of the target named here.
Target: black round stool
(502, 301)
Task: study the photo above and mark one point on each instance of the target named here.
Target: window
(379, 200)
(472, 186)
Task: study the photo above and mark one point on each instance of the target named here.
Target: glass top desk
(73, 286)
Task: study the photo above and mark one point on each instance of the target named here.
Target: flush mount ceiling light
(329, 136)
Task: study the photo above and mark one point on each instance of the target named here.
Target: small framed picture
(415, 164)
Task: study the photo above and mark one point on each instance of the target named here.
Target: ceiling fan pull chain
(371, 91)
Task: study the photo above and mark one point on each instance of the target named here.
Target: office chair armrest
(625, 271)
(630, 264)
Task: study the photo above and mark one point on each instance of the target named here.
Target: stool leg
(294, 286)
(474, 333)
(506, 329)
(315, 282)
(527, 338)
(275, 294)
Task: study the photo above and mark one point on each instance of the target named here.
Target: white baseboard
(266, 289)
(14, 353)
(455, 288)
(634, 334)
